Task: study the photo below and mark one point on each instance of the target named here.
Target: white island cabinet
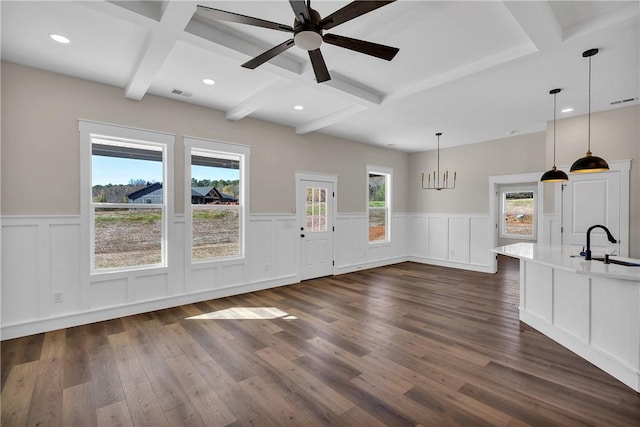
(590, 307)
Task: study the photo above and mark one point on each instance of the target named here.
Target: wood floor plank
(105, 379)
(16, 396)
(46, 407)
(129, 366)
(78, 406)
(310, 384)
(114, 415)
(244, 409)
(403, 345)
(184, 416)
(143, 404)
(201, 394)
(276, 405)
(164, 384)
(77, 369)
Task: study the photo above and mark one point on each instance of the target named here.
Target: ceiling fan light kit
(437, 184)
(589, 163)
(554, 175)
(308, 35)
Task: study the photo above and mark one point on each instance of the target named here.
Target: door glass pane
(518, 210)
(316, 211)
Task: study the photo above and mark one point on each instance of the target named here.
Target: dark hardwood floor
(408, 344)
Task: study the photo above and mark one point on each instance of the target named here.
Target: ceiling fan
(307, 31)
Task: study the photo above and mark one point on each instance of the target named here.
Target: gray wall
(40, 146)
(40, 155)
(474, 165)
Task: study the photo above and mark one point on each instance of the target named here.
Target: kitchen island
(590, 307)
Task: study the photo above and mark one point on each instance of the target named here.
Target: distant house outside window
(379, 203)
(216, 199)
(128, 224)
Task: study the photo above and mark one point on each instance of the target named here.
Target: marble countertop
(566, 258)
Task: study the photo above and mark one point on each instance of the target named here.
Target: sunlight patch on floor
(245, 313)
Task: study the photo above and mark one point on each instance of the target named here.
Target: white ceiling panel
(102, 48)
(474, 70)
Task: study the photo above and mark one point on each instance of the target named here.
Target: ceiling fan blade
(264, 57)
(319, 66)
(300, 10)
(368, 48)
(350, 11)
(221, 15)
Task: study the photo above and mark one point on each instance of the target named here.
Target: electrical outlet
(58, 297)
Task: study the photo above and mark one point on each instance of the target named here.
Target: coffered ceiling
(473, 70)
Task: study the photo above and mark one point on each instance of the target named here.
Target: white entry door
(315, 207)
(590, 199)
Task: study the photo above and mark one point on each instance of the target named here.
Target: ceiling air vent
(181, 93)
(622, 101)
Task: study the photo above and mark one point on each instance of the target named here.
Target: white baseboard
(451, 264)
(343, 269)
(97, 315)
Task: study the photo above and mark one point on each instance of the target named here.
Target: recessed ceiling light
(59, 38)
(208, 82)
(567, 110)
(298, 107)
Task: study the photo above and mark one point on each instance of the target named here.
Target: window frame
(165, 142)
(388, 174)
(502, 234)
(223, 149)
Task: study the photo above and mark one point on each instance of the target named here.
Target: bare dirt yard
(519, 217)
(126, 237)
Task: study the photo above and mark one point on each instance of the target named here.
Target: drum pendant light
(589, 163)
(554, 175)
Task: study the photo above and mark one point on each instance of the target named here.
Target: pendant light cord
(438, 161)
(554, 130)
(589, 120)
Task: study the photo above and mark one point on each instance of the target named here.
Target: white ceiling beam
(221, 41)
(485, 63)
(329, 119)
(626, 15)
(536, 18)
(255, 101)
(158, 46)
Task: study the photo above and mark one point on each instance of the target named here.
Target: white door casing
(315, 206)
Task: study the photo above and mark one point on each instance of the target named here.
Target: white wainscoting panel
(459, 239)
(571, 301)
(438, 237)
(43, 257)
(20, 263)
(615, 318)
(450, 240)
(538, 290)
(479, 241)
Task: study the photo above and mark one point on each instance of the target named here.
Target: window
(125, 182)
(379, 203)
(216, 195)
(518, 206)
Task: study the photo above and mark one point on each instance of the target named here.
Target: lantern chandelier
(437, 185)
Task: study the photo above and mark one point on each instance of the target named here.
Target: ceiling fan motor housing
(307, 35)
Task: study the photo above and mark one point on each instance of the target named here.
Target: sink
(618, 261)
